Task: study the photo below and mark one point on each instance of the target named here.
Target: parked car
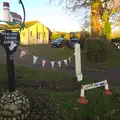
(59, 42)
(72, 42)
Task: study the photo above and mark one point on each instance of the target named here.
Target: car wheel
(61, 45)
(53, 46)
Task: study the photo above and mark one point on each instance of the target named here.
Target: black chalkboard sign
(9, 40)
(8, 36)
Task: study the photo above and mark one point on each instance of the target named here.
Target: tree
(100, 10)
(55, 36)
(62, 35)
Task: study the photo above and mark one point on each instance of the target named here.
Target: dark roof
(15, 15)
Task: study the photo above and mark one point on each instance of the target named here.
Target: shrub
(82, 43)
(97, 50)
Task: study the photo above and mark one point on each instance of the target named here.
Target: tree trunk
(95, 24)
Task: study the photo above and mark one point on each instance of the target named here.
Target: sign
(9, 40)
(8, 36)
(95, 85)
(80, 77)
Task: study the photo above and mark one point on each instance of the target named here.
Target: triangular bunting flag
(23, 53)
(69, 59)
(59, 63)
(34, 59)
(43, 63)
(52, 64)
(65, 61)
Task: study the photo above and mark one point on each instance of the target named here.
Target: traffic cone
(107, 90)
(82, 99)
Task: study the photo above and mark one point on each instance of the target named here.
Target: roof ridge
(16, 15)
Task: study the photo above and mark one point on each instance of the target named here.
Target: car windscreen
(74, 40)
(58, 40)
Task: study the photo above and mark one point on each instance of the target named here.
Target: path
(111, 74)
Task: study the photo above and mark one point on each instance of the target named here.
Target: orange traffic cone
(107, 90)
(82, 99)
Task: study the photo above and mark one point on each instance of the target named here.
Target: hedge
(97, 49)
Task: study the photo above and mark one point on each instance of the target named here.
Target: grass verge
(50, 104)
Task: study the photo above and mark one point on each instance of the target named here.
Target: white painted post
(78, 62)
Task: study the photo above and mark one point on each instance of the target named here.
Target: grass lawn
(49, 104)
(63, 105)
(49, 53)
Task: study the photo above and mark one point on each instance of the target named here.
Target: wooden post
(11, 72)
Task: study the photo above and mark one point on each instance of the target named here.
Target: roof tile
(15, 15)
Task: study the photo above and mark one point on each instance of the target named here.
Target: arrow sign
(9, 40)
(12, 46)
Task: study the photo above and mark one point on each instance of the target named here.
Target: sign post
(78, 62)
(12, 100)
(10, 41)
(13, 104)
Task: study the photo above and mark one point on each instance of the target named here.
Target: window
(38, 35)
(31, 33)
(14, 20)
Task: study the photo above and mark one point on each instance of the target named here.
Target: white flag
(59, 63)
(34, 59)
(52, 64)
(69, 59)
(43, 63)
(12, 46)
(65, 61)
(23, 52)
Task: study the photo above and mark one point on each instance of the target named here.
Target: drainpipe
(28, 36)
(36, 34)
(43, 33)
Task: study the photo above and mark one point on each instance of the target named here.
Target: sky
(51, 15)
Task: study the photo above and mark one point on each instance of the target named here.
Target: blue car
(59, 42)
(72, 42)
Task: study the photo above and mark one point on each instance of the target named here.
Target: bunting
(65, 61)
(52, 64)
(59, 63)
(44, 61)
(22, 53)
(34, 59)
(69, 59)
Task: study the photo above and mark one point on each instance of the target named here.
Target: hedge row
(116, 40)
(97, 49)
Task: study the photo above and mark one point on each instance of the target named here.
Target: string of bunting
(24, 52)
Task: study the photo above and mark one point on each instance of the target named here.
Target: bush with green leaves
(97, 50)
